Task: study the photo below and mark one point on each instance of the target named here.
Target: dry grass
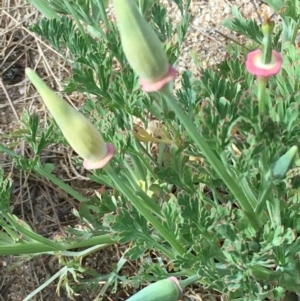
(42, 205)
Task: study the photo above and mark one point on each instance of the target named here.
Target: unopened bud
(162, 290)
(142, 47)
(284, 163)
(81, 134)
(267, 25)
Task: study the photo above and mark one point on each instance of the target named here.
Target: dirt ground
(42, 205)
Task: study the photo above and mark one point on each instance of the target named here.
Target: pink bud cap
(256, 67)
(157, 85)
(176, 281)
(101, 163)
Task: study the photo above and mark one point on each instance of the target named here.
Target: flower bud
(81, 134)
(142, 47)
(162, 290)
(284, 163)
(267, 26)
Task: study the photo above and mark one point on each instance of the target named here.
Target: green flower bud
(142, 47)
(284, 163)
(267, 28)
(162, 290)
(81, 134)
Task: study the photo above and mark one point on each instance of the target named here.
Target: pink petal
(156, 86)
(256, 67)
(100, 164)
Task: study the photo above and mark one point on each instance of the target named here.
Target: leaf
(45, 9)
(246, 27)
(276, 4)
(286, 8)
(129, 226)
(171, 212)
(5, 191)
(5, 239)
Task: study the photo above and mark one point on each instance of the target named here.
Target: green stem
(267, 28)
(13, 235)
(228, 179)
(295, 29)
(263, 198)
(137, 153)
(42, 171)
(148, 202)
(266, 56)
(261, 94)
(130, 174)
(77, 19)
(46, 283)
(184, 283)
(161, 152)
(96, 31)
(138, 167)
(273, 207)
(103, 14)
(38, 247)
(44, 8)
(9, 152)
(144, 211)
(95, 240)
(28, 233)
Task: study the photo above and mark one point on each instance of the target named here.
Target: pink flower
(257, 68)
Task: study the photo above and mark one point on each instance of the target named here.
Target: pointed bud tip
(33, 77)
(267, 25)
(176, 281)
(158, 85)
(101, 163)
